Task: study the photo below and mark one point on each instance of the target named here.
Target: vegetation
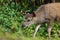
(11, 20)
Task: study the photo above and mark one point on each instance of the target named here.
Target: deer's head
(28, 18)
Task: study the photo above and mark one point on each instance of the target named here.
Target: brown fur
(49, 11)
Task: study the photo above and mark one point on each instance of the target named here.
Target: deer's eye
(28, 20)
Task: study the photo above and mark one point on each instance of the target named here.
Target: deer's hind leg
(58, 19)
(49, 28)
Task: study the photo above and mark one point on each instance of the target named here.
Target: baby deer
(45, 13)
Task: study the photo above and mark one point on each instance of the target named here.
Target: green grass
(13, 36)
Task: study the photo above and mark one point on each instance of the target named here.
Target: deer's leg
(36, 29)
(58, 19)
(49, 28)
(49, 31)
(59, 29)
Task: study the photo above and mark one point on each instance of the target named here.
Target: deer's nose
(23, 25)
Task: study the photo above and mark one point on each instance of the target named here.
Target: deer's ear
(33, 14)
(23, 12)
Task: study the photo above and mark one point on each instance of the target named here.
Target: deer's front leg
(36, 29)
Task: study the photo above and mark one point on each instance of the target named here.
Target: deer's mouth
(26, 24)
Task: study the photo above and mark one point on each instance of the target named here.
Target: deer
(47, 13)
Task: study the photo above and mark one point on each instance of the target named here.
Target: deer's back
(49, 10)
(53, 9)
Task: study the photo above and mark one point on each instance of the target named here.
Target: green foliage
(42, 30)
(11, 19)
(29, 30)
